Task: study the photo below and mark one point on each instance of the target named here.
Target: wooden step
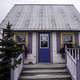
(45, 72)
(55, 72)
(46, 77)
(45, 66)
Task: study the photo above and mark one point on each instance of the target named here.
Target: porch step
(45, 66)
(45, 72)
(46, 77)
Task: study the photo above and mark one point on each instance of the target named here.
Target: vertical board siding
(51, 47)
(29, 42)
(37, 47)
(76, 40)
(54, 39)
(79, 39)
(58, 42)
(34, 48)
(54, 47)
(26, 39)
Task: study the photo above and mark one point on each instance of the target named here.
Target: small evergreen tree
(10, 50)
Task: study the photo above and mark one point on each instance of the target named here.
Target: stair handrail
(68, 53)
(16, 71)
(73, 62)
(74, 52)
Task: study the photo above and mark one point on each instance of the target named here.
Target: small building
(44, 29)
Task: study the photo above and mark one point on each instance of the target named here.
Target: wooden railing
(74, 52)
(15, 72)
(73, 62)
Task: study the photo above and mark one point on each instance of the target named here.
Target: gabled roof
(43, 17)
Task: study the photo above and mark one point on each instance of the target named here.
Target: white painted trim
(37, 44)
(34, 56)
(54, 47)
(56, 56)
(79, 38)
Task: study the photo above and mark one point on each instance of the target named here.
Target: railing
(15, 72)
(73, 62)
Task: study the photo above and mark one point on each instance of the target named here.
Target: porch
(72, 63)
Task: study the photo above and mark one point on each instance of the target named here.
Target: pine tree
(9, 50)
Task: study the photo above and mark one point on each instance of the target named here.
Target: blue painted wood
(29, 42)
(43, 53)
(77, 39)
(58, 41)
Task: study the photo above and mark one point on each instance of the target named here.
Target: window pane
(67, 38)
(20, 38)
(44, 44)
(44, 40)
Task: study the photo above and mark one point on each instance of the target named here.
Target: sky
(6, 5)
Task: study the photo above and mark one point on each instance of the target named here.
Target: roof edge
(47, 4)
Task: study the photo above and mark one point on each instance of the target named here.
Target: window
(20, 38)
(68, 40)
(44, 38)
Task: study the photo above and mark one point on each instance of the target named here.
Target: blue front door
(44, 48)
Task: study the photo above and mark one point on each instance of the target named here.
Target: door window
(44, 38)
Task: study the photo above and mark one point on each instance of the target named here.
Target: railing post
(16, 70)
(66, 53)
(78, 69)
(71, 63)
(72, 53)
(12, 69)
(78, 64)
(78, 54)
(75, 54)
